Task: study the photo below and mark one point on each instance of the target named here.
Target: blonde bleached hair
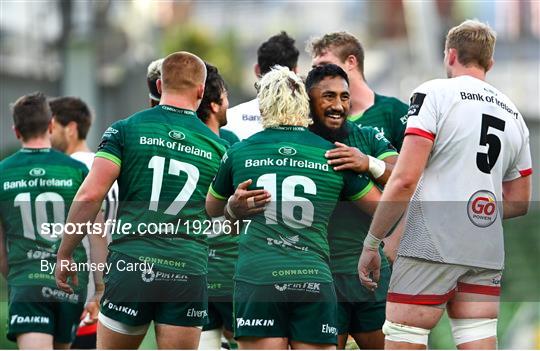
(474, 42)
(283, 99)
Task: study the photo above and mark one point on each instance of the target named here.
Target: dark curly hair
(213, 87)
(278, 50)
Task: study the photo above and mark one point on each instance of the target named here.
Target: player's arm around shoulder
(223, 200)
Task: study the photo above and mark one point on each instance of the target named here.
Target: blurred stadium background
(99, 51)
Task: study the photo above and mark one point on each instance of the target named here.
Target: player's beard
(329, 134)
(59, 143)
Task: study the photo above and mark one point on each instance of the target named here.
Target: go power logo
(482, 208)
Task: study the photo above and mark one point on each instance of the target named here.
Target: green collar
(35, 150)
(177, 110)
(289, 128)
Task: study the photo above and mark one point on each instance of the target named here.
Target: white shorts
(421, 282)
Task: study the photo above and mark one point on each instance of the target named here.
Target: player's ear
(295, 69)
(50, 127)
(17, 133)
(214, 107)
(491, 63)
(72, 129)
(257, 70)
(452, 56)
(200, 92)
(158, 85)
(351, 62)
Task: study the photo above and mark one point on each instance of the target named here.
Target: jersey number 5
(157, 164)
(486, 161)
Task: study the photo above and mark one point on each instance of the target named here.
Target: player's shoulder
(434, 86)
(391, 101)
(229, 136)
(63, 159)
(10, 160)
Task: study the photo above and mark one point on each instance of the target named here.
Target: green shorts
(132, 299)
(304, 312)
(43, 309)
(360, 310)
(220, 313)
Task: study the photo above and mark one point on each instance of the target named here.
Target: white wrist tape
(376, 167)
(372, 242)
(228, 209)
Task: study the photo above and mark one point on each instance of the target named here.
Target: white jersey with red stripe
(479, 141)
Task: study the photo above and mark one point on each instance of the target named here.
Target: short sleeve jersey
(167, 159)
(288, 242)
(479, 141)
(388, 116)
(348, 226)
(38, 187)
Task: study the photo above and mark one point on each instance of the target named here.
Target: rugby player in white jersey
(465, 165)
(244, 119)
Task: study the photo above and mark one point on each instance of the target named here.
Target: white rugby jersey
(244, 120)
(480, 141)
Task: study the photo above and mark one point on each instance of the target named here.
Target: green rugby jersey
(348, 228)
(388, 116)
(167, 159)
(288, 242)
(222, 250)
(38, 187)
(229, 136)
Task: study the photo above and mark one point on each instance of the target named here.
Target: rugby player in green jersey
(38, 185)
(283, 293)
(164, 159)
(387, 115)
(361, 313)
(222, 248)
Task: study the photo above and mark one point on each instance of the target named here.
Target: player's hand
(245, 203)
(390, 248)
(346, 157)
(90, 313)
(369, 268)
(62, 274)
